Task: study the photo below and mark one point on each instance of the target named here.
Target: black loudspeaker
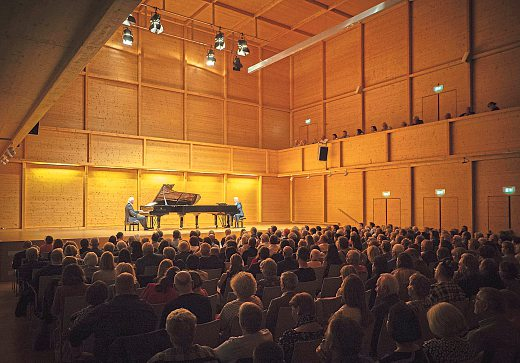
(35, 130)
(323, 152)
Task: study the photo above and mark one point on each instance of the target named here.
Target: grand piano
(170, 201)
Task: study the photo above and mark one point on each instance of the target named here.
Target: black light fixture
(128, 38)
(243, 49)
(237, 65)
(220, 42)
(210, 58)
(155, 23)
(130, 20)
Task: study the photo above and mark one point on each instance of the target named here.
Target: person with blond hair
(106, 271)
(269, 278)
(387, 290)
(90, 266)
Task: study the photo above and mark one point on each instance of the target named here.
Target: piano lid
(168, 196)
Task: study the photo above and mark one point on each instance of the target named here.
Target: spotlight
(291, 178)
(308, 176)
(4, 160)
(465, 160)
(128, 38)
(210, 58)
(11, 152)
(155, 23)
(243, 49)
(346, 172)
(129, 21)
(237, 66)
(220, 42)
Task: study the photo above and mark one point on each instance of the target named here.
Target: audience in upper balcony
(468, 112)
(385, 127)
(492, 106)
(416, 121)
(360, 132)
(447, 116)
(373, 128)
(334, 136)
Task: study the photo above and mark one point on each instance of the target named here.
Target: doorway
(386, 211)
(441, 212)
(435, 107)
(504, 213)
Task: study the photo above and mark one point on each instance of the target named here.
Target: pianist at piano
(132, 216)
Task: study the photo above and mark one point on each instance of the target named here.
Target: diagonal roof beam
(260, 12)
(325, 6)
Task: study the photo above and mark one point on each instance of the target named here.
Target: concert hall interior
(344, 130)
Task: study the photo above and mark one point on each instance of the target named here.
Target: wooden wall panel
(201, 78)
(54, 196)
(290, 160)
(366, 149)
(272, 162)
(397, 181)
(242, 125)
(248, 160)
(315, 129)
(11, 196)
(115, 64)
(112, 106)
(308, 197)
(276, 83)
(108, 192)
(489, 178)
(308, 76)
(310, 158)
(68, 111)
(455, 178)
(162, 114)
(426, 141)
(343, 114)
(342, 62)
(439, 32)
(275, 129)
(487, 14)
(242, 85)
(216, 159)
(116, 151)
(246, 189)
(388, 104)
(496, 78)
(205, 119)
(162, 59)
(334, 156)
(57, 147)
(386, 46)
(345, 198)
(275, 199)
(453, 78)
(211, 189)
(166, 155)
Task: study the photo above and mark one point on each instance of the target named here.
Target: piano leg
(182, 222)
(216, 220)
(158, 222)
(197, 221)
(228, 221)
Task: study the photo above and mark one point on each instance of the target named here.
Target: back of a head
(147, 248)
(492, 299)
(387, 284)
(303, 254)
(304, 302)
(250, 317)
(403, 324)
(180, 325)
(243, 285)
(183, 282)
(125, 284)
(405, 261)
(289, 281)
(49, 240)
(354, 292)
(345, 337)
(97, 293)
(31, 254)
(421, 285)
(106, 261)
(287, 252)
(268, 352)
(192, 262)
(56, 256)
(72, 275)
(446, 321)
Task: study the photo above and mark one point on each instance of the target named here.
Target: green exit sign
(308, 121)
(386, 194)
(438, 88)
(508, 190)
(440, 192)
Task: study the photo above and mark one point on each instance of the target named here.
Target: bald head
(183, 282)
(287, 252)
(125, 284)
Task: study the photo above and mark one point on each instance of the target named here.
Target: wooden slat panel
(116, 151)
(343, 114)
(345, 198)
(275, 199)
(108, 192)
(393, 212)
(243, 85)
(315, 113)
(449, 213)
(334, 157)
(289, 161)
(310, 158)
(308, 199)
(115, 64)
(211, 158)
(498, 213)
(276, 83)
(366, 149)
(379, 211)
(515, 213)
(273, 162)
(251, 161)
(211, 190)
(387, 104)
(342, 62)
(200, 77)
(242, 125)
(246, 189)
(429, 108)
(308, 76)
(165, 155)
(11, 196)
(54, 196)
(57, 147)
(205, 119)
(68, 111)
(447, 104)
(430, 212)
(162, 113)
(112, 106)
(430, 137)
(275, 129)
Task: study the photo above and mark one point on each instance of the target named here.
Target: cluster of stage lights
(220, 43)
(10, 153)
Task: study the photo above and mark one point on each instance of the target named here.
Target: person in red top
(47, 246)
(162, 291)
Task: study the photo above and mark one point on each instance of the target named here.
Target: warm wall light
(128, 38)
(210, 58)
(155, 23)
(220, 42)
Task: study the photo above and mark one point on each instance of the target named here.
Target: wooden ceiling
(278, 24)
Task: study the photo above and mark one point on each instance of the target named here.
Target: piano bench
(240, 223)
(131, 226)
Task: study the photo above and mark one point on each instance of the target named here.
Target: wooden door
(514, 213)
(431, 212)
(498, 213)
(393, 211)
(449, 213)
(430, 108)
(448, 103)
(379, 211)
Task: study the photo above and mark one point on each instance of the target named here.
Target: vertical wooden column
(412, 204)
(259, 202)
(260, 102)
(225, 108)
(23, 194)
(469, 49)
(139, 72)
(364, 188)
(362, 75)
(291, 199)
(323, 89)
(85, 196)
(291, 100)
(471, 188)
(410, 60)
(185, 88)
(325, 183)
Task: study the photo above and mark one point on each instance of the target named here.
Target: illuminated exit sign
(438, 88)
(440, 192)
(386, 194)
(308, 121)
(509, 190)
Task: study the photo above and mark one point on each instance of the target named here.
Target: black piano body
(170, 201)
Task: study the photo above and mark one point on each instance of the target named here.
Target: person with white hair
(240, 215)
(133, 216)
(387, 289)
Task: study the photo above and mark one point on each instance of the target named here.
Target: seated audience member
(250, 252)
(512, 302)
(96, 294)
(193, 264)
(25, 270)
(445, 289)
(269, 279)
(449, 326)
(187, 299)
(136, 249)
(53, 269)
(373, 128)
(344, 134)
(288, 284)
(490, 276)
(447, 116)
(242, 347)
(316, 258)
(342, 342)
(263, 253)
(332, 257)
(467, 112)
(163, 267)
(304, 272)
(509, 274)
(496, 335)
(387, 290)
(468, 276)
(359, 132)
(397, 249)
(90, 266)
(354, 259)
(243, 285)
(94, 246)
(416, 121)
(288, 263)
(162, 291)
(236, 266)
(47, 246)
(20, 256)
(492, 106)
(268, 352)
(197, 283)
(403, 124)
(72, 284)
(149, 259)
(427, 253)
(385, 127)
(402, 273)
(58, 243)
(307, 328)
(124, 315)
(508, 252)
(419, 290)
(334, 136)
(181, 325)
(110, 247)
(404, 329)
(355, 306)
(106, 270)
(274, 245)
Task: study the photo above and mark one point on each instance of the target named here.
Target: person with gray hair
(149, 259)
(133, 216)
(288, 284)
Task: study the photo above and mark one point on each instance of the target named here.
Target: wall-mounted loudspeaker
(323, 152)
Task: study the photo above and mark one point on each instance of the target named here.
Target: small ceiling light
(237, 65)
(243, 49)
(11, 152)
(220, 42)
(129, 21)
(210, 58)
(155, 23)
(128, 38)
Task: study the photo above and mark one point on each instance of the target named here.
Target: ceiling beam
(325, 6)
(260, 12)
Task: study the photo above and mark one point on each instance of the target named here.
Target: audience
(72, 284)
(106, 272)
(304, 272)
(163, 291)
(269, 278)
(445, 289)
(387, 290)
(288, 284)
(268, 352)
(288, 263)
(149, 259)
